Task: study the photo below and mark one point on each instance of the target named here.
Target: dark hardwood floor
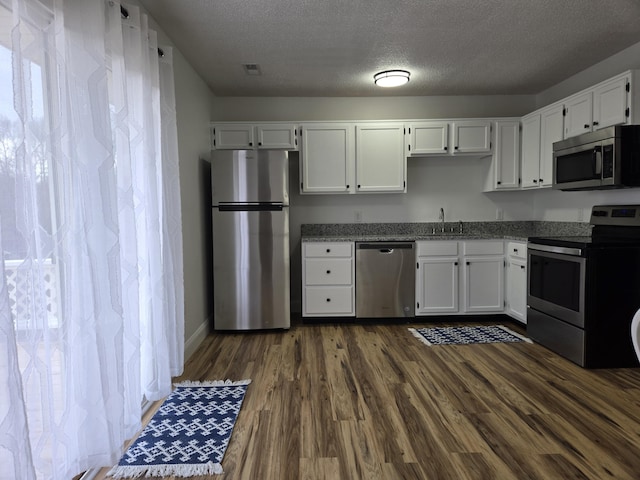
(369, 401)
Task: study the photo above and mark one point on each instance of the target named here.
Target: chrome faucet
(441, 217)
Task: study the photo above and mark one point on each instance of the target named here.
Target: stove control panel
(620, 215)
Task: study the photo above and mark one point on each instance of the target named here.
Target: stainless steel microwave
(607, 158)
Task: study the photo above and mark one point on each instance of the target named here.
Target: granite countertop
(387, 232)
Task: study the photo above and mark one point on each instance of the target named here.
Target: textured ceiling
(451, 47)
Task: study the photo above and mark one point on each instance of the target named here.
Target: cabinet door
(484, 284)
(579, 114)
(472, 136)
(530, 151)
(327, 158)
(277, 136)
(551, 130)
(380, 159)
(610, 103)
(507, 155)
(517, 289)
(232, 137)
(437, 285)
(428, 138)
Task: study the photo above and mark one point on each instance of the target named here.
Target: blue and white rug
(188, 435)
(467, 335)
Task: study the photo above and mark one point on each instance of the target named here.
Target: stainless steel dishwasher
(385, 279)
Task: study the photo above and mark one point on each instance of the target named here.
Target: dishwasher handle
(384, 247)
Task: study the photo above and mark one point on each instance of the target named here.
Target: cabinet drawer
(328, 300)
(517, 250)
(483, 247)
(434, 247)
(328, 271)
(328, 249)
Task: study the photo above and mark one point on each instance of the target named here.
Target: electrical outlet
(358, 216)
(499, 214)
(580, 215)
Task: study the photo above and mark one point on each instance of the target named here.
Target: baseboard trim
(194, 341)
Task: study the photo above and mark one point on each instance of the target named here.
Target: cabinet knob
(328, 299)
(259, 144)
(540, 180)
(347, 187)
(499, 182)
(358, 186)
(535, 181)
(455, 147)
(328, 250)
(455, 263)
(328, 272)
(468, 263)
(595, 124)
(522, 267)
(446, 148)
(586, 125)
(515, 250)
(251, 144)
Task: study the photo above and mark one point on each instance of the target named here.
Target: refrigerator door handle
(251, 207)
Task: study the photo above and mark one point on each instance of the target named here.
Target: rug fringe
(210, 383)
(416, 334)
(124, 471)
(515, 334)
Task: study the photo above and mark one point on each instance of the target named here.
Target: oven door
(556, 284)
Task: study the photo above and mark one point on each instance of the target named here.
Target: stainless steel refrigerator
(250, 193)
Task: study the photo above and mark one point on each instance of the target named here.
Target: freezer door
(249, 176)
(251, 268)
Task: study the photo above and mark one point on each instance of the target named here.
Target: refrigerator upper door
(251, 269)
(240, 176)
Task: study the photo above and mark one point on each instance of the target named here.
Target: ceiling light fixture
(391, 78)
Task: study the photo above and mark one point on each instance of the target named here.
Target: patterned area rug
(467, 335)
(188, 435)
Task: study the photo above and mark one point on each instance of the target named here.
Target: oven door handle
(577, 252)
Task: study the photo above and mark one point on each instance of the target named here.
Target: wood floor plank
(364, 400)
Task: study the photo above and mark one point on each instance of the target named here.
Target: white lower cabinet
(328, 274)
(440, 289)
(483, 277)
(437, 277)
(516, 281)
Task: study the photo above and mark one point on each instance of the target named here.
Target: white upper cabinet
(428, 138)
(579, 114)
(327, 159)
(610, 103)
(551, 130)
(241, 136)
(454, 137)
(607, 103)
(471, 136)
(380, 158)
(277, 136)
(232, 136)
(507, 155)
(531, 150)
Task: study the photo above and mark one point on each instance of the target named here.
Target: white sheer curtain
(91, 302)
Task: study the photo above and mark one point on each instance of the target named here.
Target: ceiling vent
(252, 69)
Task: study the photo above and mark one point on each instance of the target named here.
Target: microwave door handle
(597, 160)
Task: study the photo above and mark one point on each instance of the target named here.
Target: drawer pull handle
(328, 272)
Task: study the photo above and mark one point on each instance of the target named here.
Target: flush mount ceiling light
(391, 78)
